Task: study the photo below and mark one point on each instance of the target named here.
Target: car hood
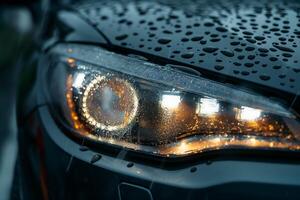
(252, 41)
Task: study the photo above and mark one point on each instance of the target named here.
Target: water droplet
(264, 77)
(219, 67)
(95, 158)
(251, 40)
(235, 43)
(187, 55)
(221, 29)
(259, 38)
(130, 165)
(157, 49)
(208, 24)
(249, 64)
(249, 48)
(247, 33)
(164, 41)
(287, 55)
(282, 48)
(197, 38)
(210, 49)
(83, 148)
(263, 50)
(227, 53)
(121, 37)
(193, 169)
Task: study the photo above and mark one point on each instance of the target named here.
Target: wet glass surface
(165, 112)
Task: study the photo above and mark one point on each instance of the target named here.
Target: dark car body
(252, 44)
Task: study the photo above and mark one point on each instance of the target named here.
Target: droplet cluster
(255, 40)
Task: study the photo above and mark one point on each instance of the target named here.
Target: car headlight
(128, 102)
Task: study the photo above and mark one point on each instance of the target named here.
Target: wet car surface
(162, 100)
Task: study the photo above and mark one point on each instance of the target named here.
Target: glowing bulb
(71, 62)
(182, 147)
(252, 140)
(170, 101)
(249, 114)
(207, 106)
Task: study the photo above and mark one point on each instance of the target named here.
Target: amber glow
(223, 142)
(71, 62)
(73, 114)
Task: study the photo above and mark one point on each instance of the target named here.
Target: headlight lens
(131, 103)
(108, 103)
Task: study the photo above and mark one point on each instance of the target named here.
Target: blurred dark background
(16, 43)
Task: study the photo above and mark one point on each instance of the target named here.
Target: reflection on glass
(207, 107)
(170, 101)
(248, 114)
(78, 80)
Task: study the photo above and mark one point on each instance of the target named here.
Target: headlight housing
(138, 105)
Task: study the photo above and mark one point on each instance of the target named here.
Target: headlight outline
(104, 67)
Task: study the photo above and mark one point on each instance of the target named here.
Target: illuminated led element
(170, 101)
(71, 62)
(182, 147)
(74, 115)
(208, 107)
(248, 114)
(78, 80)
(109, 103)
